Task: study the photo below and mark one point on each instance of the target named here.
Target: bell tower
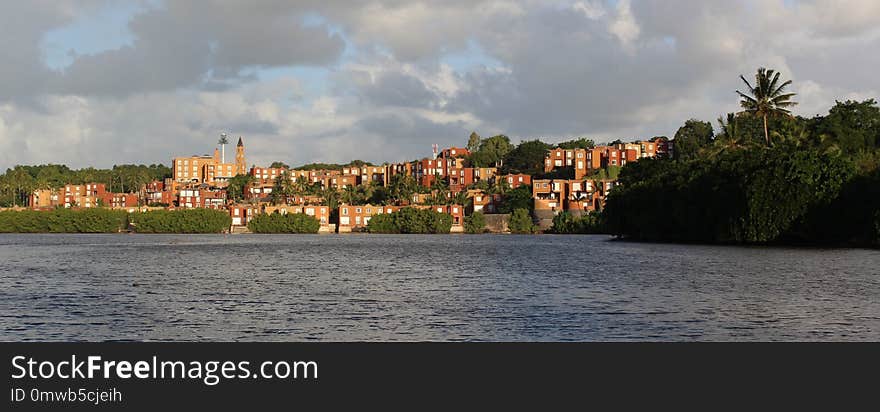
(240, 165)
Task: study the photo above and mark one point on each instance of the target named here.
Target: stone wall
(497, 223)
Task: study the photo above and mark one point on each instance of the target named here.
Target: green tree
(731, 136)
(236, 187)
(521, 222)
(751, 196)
(21, 184)
(692, 137)
(527, 157)
(492, 151)
(181, 221)
(411, 220)
(519, 198)
(473, 142)
(402, 187)
(581, 143)
(767, 98)
(852, 126)
(279, 165)
(475, 223)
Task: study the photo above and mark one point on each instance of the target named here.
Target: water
(414, 288)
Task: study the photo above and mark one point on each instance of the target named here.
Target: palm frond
(779, 89)
(749, 85)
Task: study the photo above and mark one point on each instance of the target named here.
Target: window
(580, 164)
(345, 211)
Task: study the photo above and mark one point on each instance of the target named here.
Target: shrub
(63, 221)
(519, 198)
(284, 223)
(411, 220)
(181, 221)
(475, 223)
(521, 222)
(383, 223)
(566, 223)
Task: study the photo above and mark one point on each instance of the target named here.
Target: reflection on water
(413, 288)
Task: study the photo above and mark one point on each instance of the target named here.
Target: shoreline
(610, 238)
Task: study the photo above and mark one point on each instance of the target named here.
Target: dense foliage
(491, 152)
(527, 157)
(284, 223)
(519, 198)
(333, 166)
(181, 221)
(566, 223)
(475, 223)
(742, 196)
(19, 182)
(521, 222)
(582, 143)
(411, 220)
(63, 221)
(691, 137)
(237, 184)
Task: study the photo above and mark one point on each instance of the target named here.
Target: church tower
(240, 165)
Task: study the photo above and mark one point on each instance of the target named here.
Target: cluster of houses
(202, 181)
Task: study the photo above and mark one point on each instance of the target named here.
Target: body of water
(438, 288)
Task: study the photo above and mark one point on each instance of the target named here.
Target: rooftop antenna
(436, 149)
(223, 142)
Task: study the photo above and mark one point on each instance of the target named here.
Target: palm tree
(730, 138)
(350, 194)
(223, 142)
(768, 97)
(461, 198)
(330, 197)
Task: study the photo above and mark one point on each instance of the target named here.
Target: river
(436, 288)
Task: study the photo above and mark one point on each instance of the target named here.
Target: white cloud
(592, 9)
(624, 25)
(564, 68)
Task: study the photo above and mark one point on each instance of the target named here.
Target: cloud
(624, 25)
(382, 80)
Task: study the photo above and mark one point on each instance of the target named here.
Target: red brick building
(356, 217)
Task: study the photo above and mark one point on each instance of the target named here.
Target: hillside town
(575, 179)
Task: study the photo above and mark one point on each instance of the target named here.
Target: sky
(100, 82)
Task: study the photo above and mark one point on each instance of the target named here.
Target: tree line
(17, 183)
(766, 177)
